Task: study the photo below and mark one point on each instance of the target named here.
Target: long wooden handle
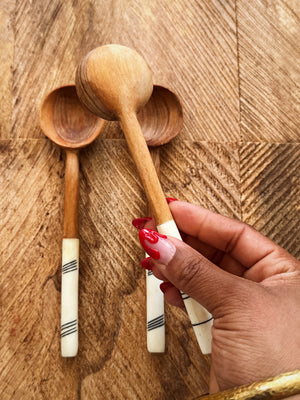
(144, 164)
(70, 259)
(199, 316)
(71, 194)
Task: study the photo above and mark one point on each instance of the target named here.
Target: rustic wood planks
(235, 67)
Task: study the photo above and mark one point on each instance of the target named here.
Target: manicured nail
(164, 286)
(170, 199)
(157, 246)
(146, 263)
(139, 223)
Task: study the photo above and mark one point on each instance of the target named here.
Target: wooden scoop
(161, 119)
(115, 82)
(67, 123)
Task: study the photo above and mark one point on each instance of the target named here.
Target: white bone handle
(155, 314)
(69, 297)
(200, 318)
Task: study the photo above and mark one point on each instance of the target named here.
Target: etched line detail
(184, 296)
(69, 267)
(156, 323)
(68, 328)
(203, 322)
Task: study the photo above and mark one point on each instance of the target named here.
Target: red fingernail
(164, 286)
(146, 263)
(152, 237)
(139, 223)
(158, 246)
(170, 199)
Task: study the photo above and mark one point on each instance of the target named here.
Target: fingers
(235, 238)
(238, 249)
(192, 273)
(172, 294)
(213, 383)
(275, 267)
(216, 256)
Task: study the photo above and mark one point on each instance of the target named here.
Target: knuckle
(188, 272)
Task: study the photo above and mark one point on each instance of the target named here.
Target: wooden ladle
(115, 82)
(70, 125)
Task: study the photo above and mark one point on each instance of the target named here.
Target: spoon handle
(144, 164)
(155, 299)
(71, 194)
(70, 259)
(200, 318)
(69, 297)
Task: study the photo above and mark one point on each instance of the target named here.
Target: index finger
(236, 238)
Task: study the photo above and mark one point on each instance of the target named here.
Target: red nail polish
(146, 263)
(139, 223)
(170, 199)
(152, 237)
(164, 286)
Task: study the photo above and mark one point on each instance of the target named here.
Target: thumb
(192, 273)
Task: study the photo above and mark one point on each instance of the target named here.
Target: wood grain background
(235, 66)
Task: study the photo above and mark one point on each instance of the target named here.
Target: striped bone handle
(69, 297)
(155, 314)
(200, 318)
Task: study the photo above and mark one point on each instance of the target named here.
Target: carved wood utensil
(66, 122)
(115, 82)
(161, 119)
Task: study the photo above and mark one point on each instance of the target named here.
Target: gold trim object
(277, 387)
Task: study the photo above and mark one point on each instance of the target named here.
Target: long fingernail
(139, 223)
(164, 286)
(157, 246)
(170, 199)
(146, 263)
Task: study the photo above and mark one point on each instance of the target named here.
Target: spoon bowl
(161, 119)
(113, 80)
(66, 122)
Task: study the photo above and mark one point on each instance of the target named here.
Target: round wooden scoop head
(161, 119)
(113, 80)
(66, 121)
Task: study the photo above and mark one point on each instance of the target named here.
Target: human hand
(250, 285)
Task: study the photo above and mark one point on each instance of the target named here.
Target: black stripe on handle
(68, 328)
(156, 323)
(203, 322)
(69, 267)
(184, 296)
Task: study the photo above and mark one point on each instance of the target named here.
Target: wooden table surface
(235, 66)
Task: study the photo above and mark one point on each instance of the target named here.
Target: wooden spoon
(161, 119)
(70, 125)
(115, 82)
